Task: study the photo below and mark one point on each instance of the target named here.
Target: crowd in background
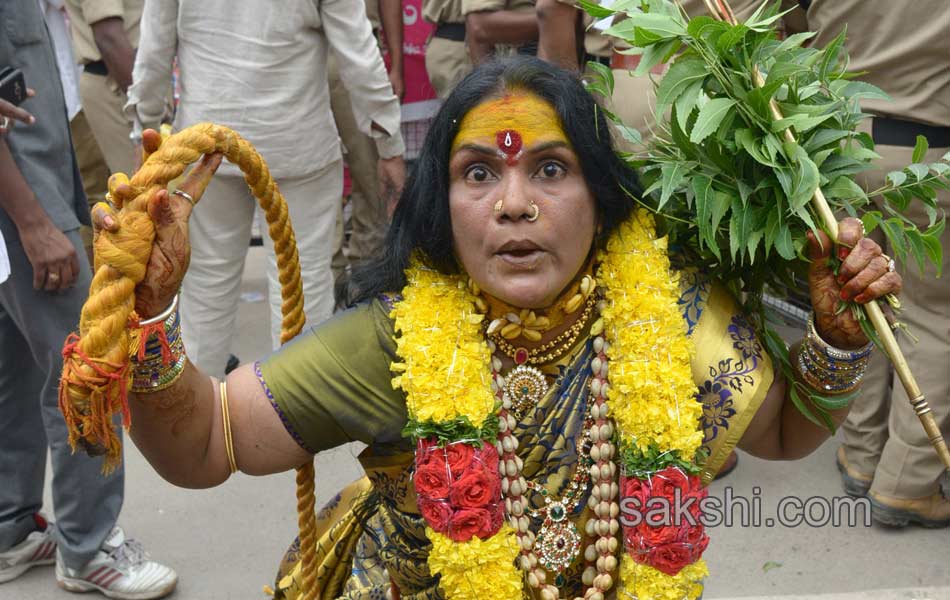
(336, 94)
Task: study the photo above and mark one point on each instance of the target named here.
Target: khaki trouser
(102, 102)
(220, 229)
(633, 101)
(447, 63)
(92, 168)
(882, 435)
(368, 217)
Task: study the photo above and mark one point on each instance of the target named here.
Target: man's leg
(92, 167)
(220, 231)
(313, 203)
(368, 215)
(87, 504)
(103, 102)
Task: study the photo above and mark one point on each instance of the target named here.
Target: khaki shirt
(904, 47)
(470, 6)
(443, 11)
(84, 13)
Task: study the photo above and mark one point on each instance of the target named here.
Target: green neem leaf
(801, 123)
(871, 220)
(595, 10)
(844, 187)
(824, 137)
(653, 26)
(683, 74)
(781, 72)
(654, 55)
(897, 178)
(672, 177)
(745, 138)
(602, 75)
(686, 102)
(794, 41)
(784, 244)
(919, 171)
(917, 248)
(831, 54)
(710, 116)
(731, 37)
(721, 202)
(860, 89)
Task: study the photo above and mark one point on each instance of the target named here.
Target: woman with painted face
(526, 367)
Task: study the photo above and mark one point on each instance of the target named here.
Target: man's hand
(392, 178)
(53, 256)
(10, 113)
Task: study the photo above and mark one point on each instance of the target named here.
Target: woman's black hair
(422, 221)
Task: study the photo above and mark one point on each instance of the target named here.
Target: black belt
(897, 132)
(96, 67)
(450, 31)
(604, 60)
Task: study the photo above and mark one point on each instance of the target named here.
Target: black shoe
(233, 363)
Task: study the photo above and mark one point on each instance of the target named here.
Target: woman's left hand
(866, 274)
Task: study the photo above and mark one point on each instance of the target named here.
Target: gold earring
(499, 205)
(537, 213)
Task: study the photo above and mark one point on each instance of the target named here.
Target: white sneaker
(122, 570)
(37, 549)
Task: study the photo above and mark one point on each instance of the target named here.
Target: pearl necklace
(600, 555)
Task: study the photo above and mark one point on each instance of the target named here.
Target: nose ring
(537, 213)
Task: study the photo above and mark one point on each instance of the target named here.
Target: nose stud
(499, 205)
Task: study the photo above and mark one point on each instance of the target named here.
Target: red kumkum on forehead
(510, 143)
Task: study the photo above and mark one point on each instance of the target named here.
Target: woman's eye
(551, 169)
(478, 174)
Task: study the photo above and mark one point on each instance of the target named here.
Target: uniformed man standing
(903, 48)
(447, 61)
(498, 27)
(105, 36)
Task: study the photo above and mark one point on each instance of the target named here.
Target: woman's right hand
(169, 211)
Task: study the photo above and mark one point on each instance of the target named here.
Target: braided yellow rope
(95, 370)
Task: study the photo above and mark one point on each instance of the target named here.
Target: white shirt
(260, 67)
(55, 16)
(4, 260)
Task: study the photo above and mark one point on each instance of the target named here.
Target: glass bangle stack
(828, 369)
(163, 360)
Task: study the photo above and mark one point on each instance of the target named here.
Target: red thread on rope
(70, 348)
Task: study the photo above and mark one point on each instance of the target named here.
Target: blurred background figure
(368, 220)
(447, 60)
(42, 206)
(264, 73)
(499, 27)
(903, 48)
(105, 35)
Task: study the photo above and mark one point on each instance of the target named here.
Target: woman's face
(511, 155)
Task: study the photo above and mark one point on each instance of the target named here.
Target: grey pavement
(226, 542)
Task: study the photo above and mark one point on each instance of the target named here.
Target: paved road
(225, 542)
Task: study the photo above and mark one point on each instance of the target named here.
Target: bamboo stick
(721, 10)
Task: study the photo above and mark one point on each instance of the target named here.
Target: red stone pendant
(521, 356)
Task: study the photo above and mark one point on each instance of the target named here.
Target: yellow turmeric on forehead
(516, 120)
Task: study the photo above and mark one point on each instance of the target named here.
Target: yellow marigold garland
(652, 395)
(477, 568)
(442, 380)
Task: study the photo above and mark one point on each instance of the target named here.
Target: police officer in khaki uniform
(368, 218)
(499, 27)
(904, 48)
(105, 36)
(447, 61)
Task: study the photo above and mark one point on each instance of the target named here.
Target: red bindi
(509, 142)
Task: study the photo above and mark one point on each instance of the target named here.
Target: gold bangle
(226, 417)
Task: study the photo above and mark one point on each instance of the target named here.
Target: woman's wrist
(828, 369)
(159, 360)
